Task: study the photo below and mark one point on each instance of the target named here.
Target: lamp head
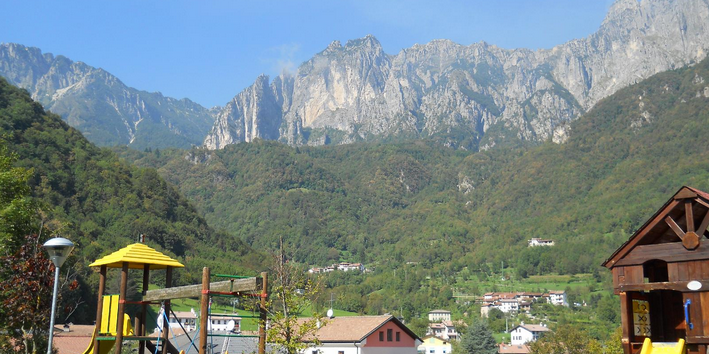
(58, 249)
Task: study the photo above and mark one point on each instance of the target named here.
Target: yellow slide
(662, 347)
(109, 325)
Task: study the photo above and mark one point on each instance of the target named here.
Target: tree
(568, 339)
(292, 293)
(17, 209)
(478, 340)
(25, 295)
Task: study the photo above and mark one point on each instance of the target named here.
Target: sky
(210, 50)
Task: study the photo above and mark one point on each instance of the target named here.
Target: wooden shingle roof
(137, 255)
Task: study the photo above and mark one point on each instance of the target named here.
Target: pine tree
(478, 340)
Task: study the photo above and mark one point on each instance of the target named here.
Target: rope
(162, 309)
(192, 343)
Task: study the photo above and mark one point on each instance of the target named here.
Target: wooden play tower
(112, 332)
(662, 276)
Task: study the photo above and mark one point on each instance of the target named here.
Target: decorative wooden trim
(633, 241)
(684, 194)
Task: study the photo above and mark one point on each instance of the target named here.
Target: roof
(513, 349)
(443, 341)
(137, 255)
(356, 328)
(75, 341)
(439, 311)
(532, 328)
(655, 229)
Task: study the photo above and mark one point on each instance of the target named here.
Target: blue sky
(210, 50)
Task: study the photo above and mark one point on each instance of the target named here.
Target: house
(188, 320)
(513, 349)
(523, 334)
(660, 275)
(224, 323)
(434, 345)
(439, 315)
(365, 335)
(536, 242)
(444, 329)
(558, 297)
(508, 305)
(344, 266)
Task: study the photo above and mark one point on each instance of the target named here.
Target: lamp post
(58, 249)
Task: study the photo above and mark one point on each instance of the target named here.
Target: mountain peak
(367, 41)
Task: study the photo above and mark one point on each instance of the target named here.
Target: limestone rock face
(472, 97)
(97, 103)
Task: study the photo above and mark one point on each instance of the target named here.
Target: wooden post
(121, 308)
(203, 311)
(626, 322)
(99, 309)
(263, 313)
(143, 308)
(166, 325)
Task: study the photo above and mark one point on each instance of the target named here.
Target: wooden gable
(676, 232)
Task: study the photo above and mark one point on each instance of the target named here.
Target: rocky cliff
(97, 103)
(471, 97)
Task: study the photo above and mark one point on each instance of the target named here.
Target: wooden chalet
(662, 276)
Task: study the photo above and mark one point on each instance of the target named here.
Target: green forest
(429, 222)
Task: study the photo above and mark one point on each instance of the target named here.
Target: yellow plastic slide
(662, 347)
(109, 325)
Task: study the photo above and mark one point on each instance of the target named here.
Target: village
(654, 280)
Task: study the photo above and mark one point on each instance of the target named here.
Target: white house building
(523, 333)
(558, 297)
(536, 242)
(365, 335)
(439, 315)
(444, 329)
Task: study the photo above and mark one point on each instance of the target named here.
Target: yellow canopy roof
(137, 255)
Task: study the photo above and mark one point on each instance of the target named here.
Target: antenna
(331, 312)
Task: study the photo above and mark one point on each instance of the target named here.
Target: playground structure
(662, 277)
(111, 332)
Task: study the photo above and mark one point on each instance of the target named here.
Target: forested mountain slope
(102, 203)
(419, 202)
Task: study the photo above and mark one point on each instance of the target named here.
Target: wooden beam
(676, 286)
(689, 214)
(263, 313)
(703, 226)
(668, 252)
(204, 311)
(673, 225)
(181, 292)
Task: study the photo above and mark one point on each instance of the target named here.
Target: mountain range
(472, 97)
(102, 107)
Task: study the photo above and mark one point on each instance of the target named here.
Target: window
(381, 336)
(397, 336)
(389, 333)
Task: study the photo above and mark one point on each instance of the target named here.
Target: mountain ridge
(357, 92)
(100, 105)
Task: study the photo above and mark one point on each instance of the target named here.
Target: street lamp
(58, 249)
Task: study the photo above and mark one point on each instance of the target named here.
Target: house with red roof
(365, 335)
